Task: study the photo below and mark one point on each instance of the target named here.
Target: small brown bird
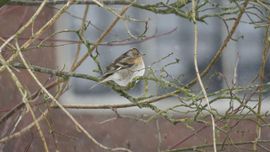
(125, 68)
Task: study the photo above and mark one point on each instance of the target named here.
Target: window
(170, 34)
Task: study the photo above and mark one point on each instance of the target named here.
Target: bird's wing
(120, 63)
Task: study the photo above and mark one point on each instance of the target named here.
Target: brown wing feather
(122, 62)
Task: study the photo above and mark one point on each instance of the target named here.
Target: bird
(124, 69)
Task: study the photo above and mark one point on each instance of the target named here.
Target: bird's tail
(100, 82)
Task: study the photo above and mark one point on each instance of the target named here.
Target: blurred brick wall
(136, 135)
(11, 19)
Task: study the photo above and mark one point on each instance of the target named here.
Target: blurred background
(168, 42)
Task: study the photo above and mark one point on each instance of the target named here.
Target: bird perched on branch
(124, 68)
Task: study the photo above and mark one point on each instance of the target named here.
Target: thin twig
(29, 22)
(265, 53)
(64, 110)
(215, 58)
(37, 34)
(24, 93)
(194, 5)
(198, 148)
(25, 129)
